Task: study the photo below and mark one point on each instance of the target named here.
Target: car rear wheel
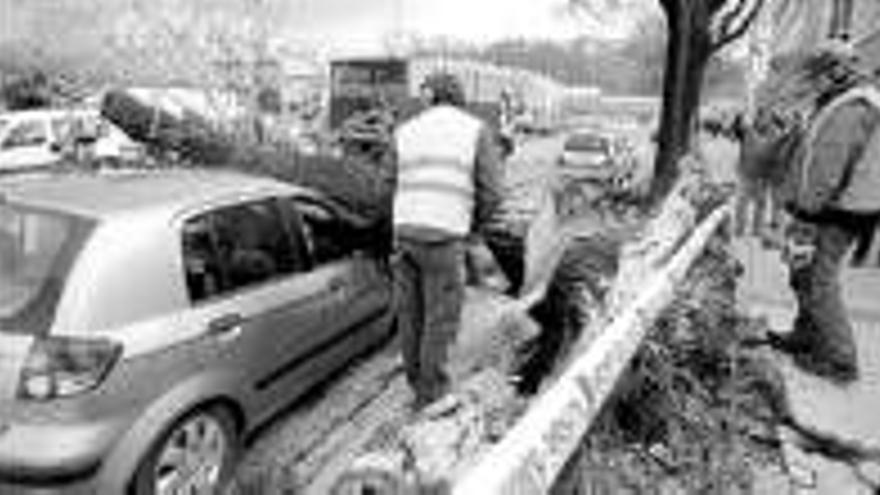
(195, 456)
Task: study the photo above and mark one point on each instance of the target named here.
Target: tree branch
(716, 5)
(732, 33)
(726, 21)
(671, 7)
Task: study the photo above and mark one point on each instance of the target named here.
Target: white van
(38, 138)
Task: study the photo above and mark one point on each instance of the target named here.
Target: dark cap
(805, 78)
(445, 88)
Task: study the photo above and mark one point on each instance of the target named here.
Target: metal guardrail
(530, 457)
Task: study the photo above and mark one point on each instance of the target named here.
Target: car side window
(236, 247)
(201, 264)
(328, 236)
(300, 234)
(25, 134)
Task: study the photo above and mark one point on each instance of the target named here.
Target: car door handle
(226, 326)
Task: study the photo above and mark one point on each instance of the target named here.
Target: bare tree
(697, 29)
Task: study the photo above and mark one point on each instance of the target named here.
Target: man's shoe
(841, 371)
(420, 403)
(425, 400)
(783, 342)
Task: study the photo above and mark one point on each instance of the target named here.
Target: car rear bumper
(76, 486)
(44, 456)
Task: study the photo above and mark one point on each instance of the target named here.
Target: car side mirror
(55, 147)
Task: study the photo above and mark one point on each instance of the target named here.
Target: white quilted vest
(436, 153)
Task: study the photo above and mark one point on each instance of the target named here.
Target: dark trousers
(430, 292)
(509, 252)
(821, 326)
(754, 205)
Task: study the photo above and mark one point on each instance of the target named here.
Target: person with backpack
(827, 112)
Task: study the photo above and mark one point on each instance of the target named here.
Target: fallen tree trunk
(691, 199)
(187, 133)
(363, 186)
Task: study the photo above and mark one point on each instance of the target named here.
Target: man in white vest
(449, 177)
(831, 189)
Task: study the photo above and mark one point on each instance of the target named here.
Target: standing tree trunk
(692, 41)
(687, 52)
(697, 29)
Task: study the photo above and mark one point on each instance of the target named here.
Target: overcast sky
(334, 25)
(359, 23)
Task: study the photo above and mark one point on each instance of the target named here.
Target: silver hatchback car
(150, 320)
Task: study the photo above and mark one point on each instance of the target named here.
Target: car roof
(596, 132)
(101, 195)
(589, 138)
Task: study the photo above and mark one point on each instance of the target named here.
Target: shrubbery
(696, 413)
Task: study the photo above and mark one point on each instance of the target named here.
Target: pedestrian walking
(449, 177)
(827, 116)
(756, 213)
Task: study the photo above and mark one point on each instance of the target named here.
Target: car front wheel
(194, 457)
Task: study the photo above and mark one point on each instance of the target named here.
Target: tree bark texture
(692, 40)
(687, 51)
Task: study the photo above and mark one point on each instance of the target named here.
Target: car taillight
(65, 366)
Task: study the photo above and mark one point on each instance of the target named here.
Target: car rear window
(587, 142)
(37, 249)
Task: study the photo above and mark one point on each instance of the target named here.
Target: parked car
(150, 320)
(38, 138)
(597, 156)
(587, 154)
